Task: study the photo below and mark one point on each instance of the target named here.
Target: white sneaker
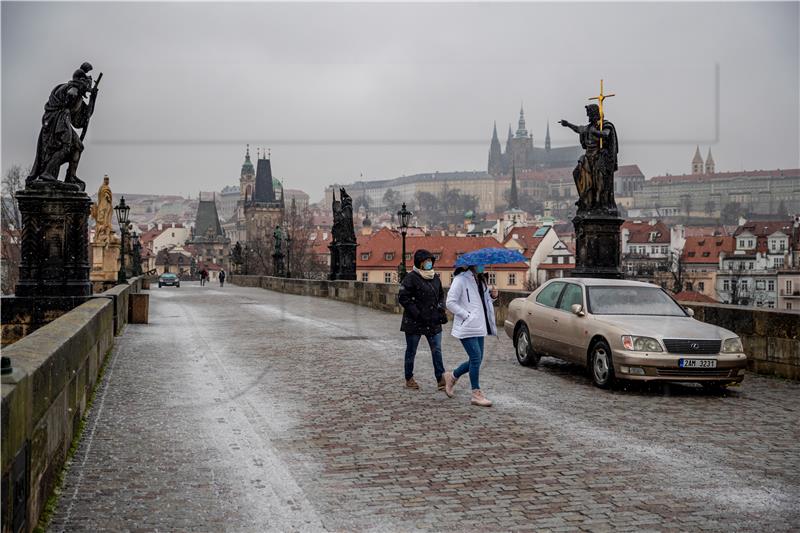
(449, 382)
(479, 399)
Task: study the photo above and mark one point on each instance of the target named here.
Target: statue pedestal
(105, 262)
(277, 265)
(343, 260)
(55, 259)
(597, 247)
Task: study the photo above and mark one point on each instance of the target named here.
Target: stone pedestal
(55, 259)
(105, 262)
(597, 247)
(343, 260)
(277, 265)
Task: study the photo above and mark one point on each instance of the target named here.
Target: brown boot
(412, 384)
(449, 383)
(440, 384)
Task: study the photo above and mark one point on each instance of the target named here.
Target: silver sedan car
(622, 330)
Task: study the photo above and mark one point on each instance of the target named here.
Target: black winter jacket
(423, 305)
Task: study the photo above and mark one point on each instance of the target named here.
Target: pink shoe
(449, 382)
(479, 399)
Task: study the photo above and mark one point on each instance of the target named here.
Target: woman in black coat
(422, 298)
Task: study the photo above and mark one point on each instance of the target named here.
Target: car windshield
(622, 300)
(167, 275)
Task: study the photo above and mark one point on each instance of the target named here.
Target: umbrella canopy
(490, 256)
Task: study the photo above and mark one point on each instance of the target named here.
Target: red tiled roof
(706, 249)
(691, 296)
(447, 248)
(525, 237)
(704, 231)
(639, 232)
(791, 172)
(762, 229)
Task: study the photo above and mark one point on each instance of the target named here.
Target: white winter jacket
(464, 302)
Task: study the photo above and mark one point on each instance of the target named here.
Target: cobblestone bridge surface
(247, 410)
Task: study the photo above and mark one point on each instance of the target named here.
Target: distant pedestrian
(472, 303)
(221, 278)
(203, 276)
(422, 298)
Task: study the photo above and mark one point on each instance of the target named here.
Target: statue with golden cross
(594, 174)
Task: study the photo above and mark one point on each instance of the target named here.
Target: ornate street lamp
(122, 217)
(404, 216)
(136, 250)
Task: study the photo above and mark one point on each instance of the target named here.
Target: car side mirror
(689, 311)
(577, 309)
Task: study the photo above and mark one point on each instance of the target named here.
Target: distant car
(622, 330)
(168, 278)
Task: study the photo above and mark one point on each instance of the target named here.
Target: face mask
(479, 269)
(427, 265)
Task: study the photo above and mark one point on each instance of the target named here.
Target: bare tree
(674, 266)
(10, 230)
(301, 262)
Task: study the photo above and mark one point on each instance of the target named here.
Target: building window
(365, 276)
(726, 285)
(388, 256)
(664, 249)
(771, 305)
(771, 285)
(512, 279)
(778, 262)
(743, 284)
(364, 257)
(408, 257)
(387, 277)
(701, 286)
(788, 305)
(788, 285)
(492, 278)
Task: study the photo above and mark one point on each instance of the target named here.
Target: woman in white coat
(472, 303)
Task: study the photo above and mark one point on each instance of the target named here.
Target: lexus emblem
(695, 346)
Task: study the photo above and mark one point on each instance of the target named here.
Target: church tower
(522, 146)
(697, 162)
(247, 179)
(547, 137)
(495, 154)
(709, 162)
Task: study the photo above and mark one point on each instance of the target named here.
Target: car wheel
(159, 285)
(177, 285)
(714, 386)
(602, 367)
(524, 348)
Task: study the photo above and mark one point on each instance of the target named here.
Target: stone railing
(45, 397)
(771, 338)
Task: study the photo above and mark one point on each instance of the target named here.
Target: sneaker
(440, 384)
(412, 384)
(479, 399)
(449, 382)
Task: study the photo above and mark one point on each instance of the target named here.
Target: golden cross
(600, 99)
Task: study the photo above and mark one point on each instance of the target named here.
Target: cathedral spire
(513, 195)
(494, 133)
(709, 162)
(547, 136)
(521, 130)
(697, 162)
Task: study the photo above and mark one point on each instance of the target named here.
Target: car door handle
(555, 320)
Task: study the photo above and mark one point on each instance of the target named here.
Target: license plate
(697, 363)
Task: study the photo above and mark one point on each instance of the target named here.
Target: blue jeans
(474, 348)
(435, 343)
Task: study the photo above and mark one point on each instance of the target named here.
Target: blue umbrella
(490, 256)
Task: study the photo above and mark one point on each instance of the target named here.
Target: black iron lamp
(122, 217)
(404, 216)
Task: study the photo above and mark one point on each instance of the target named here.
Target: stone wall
(44, 399)
(771, 338)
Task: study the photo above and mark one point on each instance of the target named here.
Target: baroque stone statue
(594, 173)
(102, 212)
(58, 142)
(343, 245)
(277, 236)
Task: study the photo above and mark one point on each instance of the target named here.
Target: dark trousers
(435, 343)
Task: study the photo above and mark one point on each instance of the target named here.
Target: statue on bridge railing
(343, 245)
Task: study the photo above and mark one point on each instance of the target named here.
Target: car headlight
(640, 344)
(733, 345)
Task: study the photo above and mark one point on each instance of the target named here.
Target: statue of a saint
(594, 174)
(102, 213)
(59, 143)
(348, 231)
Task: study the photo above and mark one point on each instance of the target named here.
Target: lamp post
(404, 215)
(122, 217)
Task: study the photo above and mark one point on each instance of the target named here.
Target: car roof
(597, 282)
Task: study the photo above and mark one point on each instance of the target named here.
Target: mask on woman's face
(479, 269)
(427, 265)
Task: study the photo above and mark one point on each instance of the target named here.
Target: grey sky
(186, 85)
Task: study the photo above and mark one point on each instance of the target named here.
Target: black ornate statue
(343, 245)
(277, 255)
(597, 224)
(59, 143)
(594, 174)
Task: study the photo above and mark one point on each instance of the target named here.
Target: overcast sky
(337, 90)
